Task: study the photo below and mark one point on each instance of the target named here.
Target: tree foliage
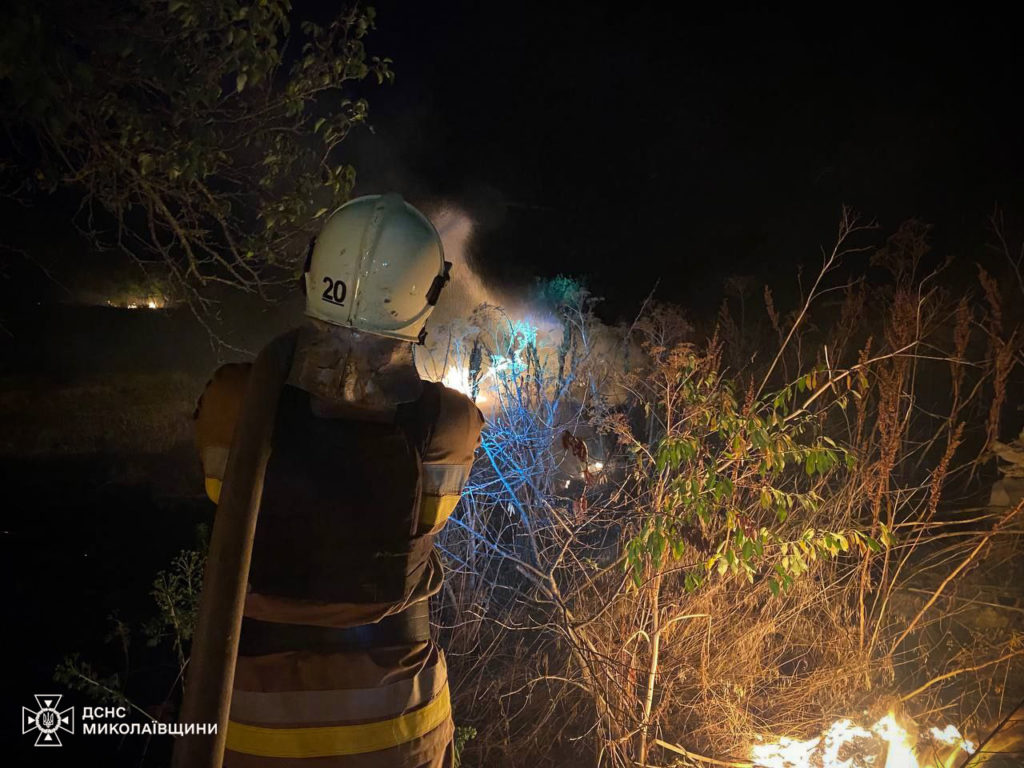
(202, 135)
(724, 473)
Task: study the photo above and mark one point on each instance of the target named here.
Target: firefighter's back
(336, 667)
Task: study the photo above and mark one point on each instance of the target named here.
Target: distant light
(567, 483)
(143, 303)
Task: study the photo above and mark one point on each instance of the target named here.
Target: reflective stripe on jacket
(370, 709)
(320, 512)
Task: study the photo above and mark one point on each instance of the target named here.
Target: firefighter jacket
(335, 667)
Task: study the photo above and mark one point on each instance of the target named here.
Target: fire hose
(210, 678)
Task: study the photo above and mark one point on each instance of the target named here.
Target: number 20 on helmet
(377, 266)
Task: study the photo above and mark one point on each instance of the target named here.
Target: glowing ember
(847, 745)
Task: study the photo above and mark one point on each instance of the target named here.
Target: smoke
(471, 308)
(466, 291)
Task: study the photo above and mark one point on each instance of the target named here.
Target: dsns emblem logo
(48, 719)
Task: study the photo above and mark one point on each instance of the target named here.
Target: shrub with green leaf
(167, 635)
(667, 547)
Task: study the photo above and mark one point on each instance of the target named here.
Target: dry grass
(560, 656)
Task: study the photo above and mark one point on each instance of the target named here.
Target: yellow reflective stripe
(213, 489)
(215, 460)
(380, 702)
(435, 510)
(444, 479)
(335, 740)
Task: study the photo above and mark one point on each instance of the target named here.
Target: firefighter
(353, 464)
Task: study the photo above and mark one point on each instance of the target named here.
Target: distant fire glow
(847, 745)
(147, 302)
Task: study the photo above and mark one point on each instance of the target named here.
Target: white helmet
(377, 266)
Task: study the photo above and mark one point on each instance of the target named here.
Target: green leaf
(773, 585)
(759, 547)
(240, 81)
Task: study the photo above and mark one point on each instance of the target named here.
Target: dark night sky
(635, 143)
(638, 142)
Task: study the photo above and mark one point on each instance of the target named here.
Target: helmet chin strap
(306, 265)
(440, 281)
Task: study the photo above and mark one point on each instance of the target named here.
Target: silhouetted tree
(201, 135)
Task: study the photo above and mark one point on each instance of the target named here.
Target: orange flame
(848, 745)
